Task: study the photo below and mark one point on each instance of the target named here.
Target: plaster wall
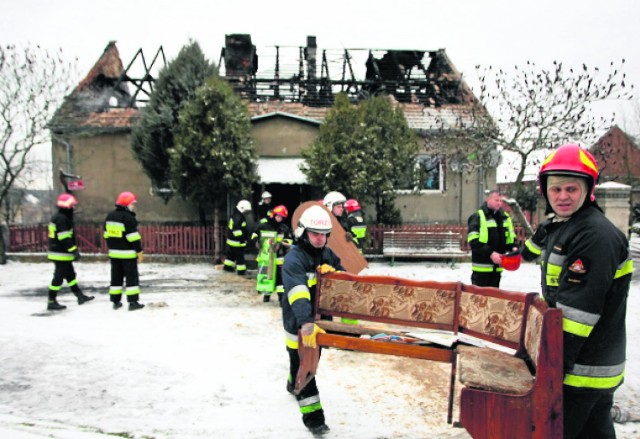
(282, 137)
(107, 167)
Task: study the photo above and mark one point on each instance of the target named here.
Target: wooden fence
(191, 240)
(186, 240)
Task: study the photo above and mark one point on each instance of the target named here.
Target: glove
(309, 332)
(326, 268)
(76, 255)
(140, 256)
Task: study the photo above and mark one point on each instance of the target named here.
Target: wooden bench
(518, 387)
(416, 244)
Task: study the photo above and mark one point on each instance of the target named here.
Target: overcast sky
(501, 33)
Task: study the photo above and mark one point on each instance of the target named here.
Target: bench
(517, 384)
(417, 244)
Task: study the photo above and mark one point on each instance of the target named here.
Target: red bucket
(511, 262)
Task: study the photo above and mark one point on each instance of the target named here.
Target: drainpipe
(68, 147)
(480, 186)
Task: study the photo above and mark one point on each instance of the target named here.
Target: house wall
(282, 137)
(107, 166)
(452, 206)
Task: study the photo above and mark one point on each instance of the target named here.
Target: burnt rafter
(142, 84)
(291, 74)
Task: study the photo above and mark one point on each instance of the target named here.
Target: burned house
(288, 90)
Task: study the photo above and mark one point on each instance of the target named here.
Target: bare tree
(532, 111)
(33, 82)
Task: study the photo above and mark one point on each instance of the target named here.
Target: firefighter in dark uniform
(282, 242)
(334, 201)
(355, 222)
(62, 252)
(490, 234)
(125, 251)
(238, 235)
(586, 272)
(263, 212)
(299, 276)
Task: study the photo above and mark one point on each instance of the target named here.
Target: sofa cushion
(492, 370)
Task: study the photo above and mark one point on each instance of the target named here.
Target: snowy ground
(206, 359)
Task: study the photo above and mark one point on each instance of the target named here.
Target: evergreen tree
(153, 137)
(214, 155)
(366, 152)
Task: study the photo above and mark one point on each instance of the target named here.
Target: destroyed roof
(431, 97)
(94, 105)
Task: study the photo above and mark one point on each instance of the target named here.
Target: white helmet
(315, 219)
(266, 194)
(243, 206)
(332, 198)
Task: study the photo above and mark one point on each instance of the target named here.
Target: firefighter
(264, 207)
(237, 238)
(280, 233)
(334, 201)
(355, 220)
(284, 240)
(490, 234)
(586, 272)
(63, 251)
(125, 251)
(299, 276)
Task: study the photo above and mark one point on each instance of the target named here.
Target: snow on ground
(206, 359)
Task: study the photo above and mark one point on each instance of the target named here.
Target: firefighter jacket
(299, 277)
(237, 231)
(121, 233)
(263, 212)
(357, 226)
(62, 241)
(586, 272)
(489, 232)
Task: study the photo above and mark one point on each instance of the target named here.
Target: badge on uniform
(577, 271)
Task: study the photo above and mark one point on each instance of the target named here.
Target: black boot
(290, 387)
(53, 305)
(319, 430)
(82, 298)
(117, 305)
(135, 305)
(266, 298)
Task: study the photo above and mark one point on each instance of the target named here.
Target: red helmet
(351, 205)
(125, 199)
(511, 262)
(280, 210)
(570, 159)
(66, 201)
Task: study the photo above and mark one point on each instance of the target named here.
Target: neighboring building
(618, 158)
(287, 105)
(30, 206)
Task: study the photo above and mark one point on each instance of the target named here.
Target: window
(427, 175)
(430, 173)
